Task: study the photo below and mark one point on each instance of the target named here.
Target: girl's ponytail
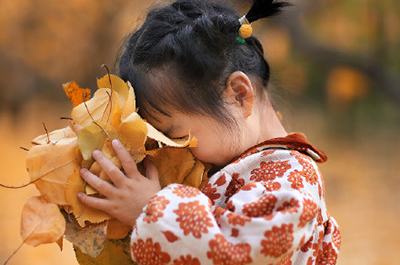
(260, 9)
(265, 8)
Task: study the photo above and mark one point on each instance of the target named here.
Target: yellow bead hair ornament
(245, 30)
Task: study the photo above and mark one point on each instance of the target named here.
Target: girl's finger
(97, 183)
(126, 159)
(112, 171)
(97, 203)
(151, 170)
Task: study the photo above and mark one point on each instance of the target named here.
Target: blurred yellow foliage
(345, 85)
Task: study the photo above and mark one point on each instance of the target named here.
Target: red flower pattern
(296, 179)
(147, 253)
(286, 260)
(186, 191)
(278, 240)
(234, 186)
(308, 170)
(291, 206)
(237, 219)
(270, 170)
(154, 209)
(210, 192)
(309, 212)
(327, 256)
(223, 252)
(187, 260)
(271, 186)
(264, 206)
(336, 238)
(193, 218)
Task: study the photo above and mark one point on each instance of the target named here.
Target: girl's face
(217, 144)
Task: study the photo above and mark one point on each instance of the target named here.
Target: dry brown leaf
(49, 166)
(173, 164)
(117, 230)
(97, 233)
(41, 222)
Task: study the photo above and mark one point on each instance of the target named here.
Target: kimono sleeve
(244, 219)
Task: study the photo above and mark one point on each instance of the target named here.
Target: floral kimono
(266, 207)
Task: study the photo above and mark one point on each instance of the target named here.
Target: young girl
(265, 204)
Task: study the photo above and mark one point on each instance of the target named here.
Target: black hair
(183, 54)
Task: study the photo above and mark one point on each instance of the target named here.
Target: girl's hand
(129, 194)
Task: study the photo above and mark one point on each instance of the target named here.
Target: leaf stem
(33, 181)
(47, 133)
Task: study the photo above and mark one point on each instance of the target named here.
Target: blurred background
(336, 77)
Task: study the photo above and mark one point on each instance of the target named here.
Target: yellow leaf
(160, 137)
(102, 107)
(41, 222)
(132, 132)
(130, 105)
(117, 84)
(82, 212)
(76, 94)
(91, 137)
(54, 136)
(49, 166)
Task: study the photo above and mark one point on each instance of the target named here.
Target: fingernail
(116, 143)
(96, 153)
(83, 171)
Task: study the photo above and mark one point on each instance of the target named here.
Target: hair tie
(245, 29)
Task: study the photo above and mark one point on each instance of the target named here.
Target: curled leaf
(54, 136)
(41, 222)
(153, 133)
(132, 133)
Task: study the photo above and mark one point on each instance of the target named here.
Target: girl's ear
(240, 91)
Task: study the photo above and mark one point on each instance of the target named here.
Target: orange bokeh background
(343, 107)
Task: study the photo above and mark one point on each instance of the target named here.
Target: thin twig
(110, 95)
(47, 133)
(33, 181)
(90, 115)
(23, 242)
(66, 118)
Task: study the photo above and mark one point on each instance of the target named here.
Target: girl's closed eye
(185, 137)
